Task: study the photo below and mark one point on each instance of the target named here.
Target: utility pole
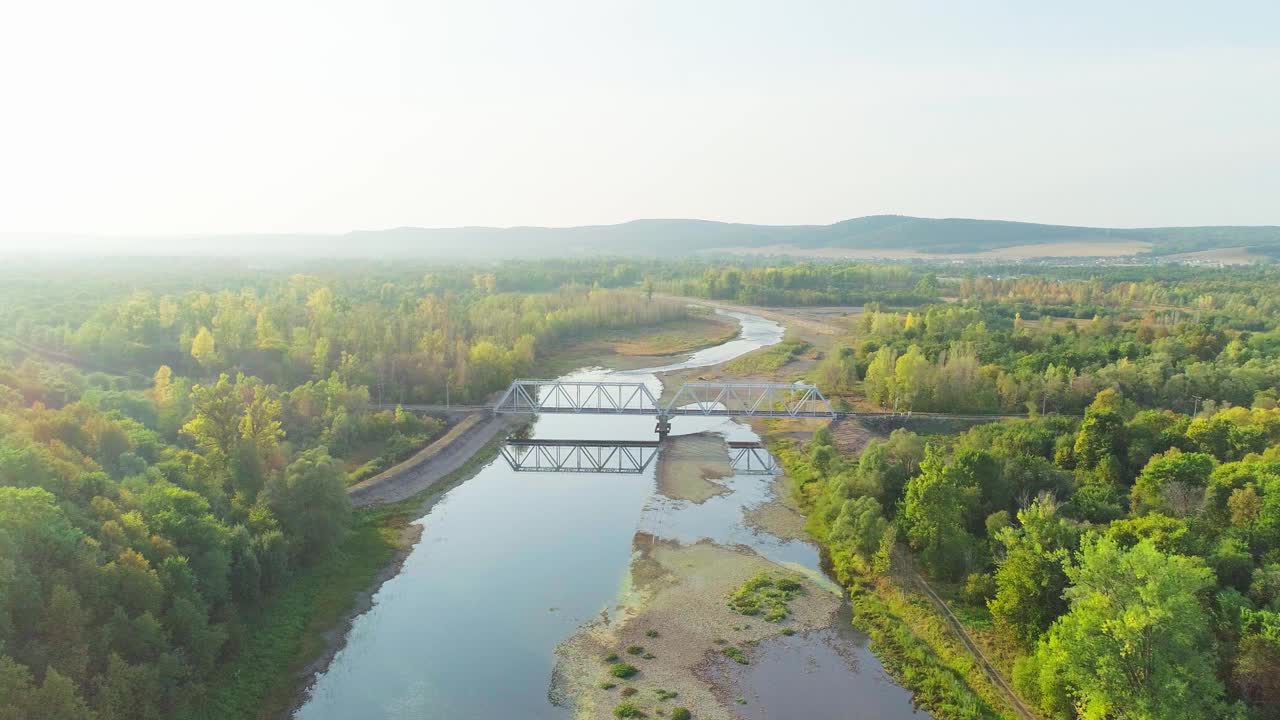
(447, 383)
(1195, 410)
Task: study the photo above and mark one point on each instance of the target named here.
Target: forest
(1116, 549)
(176, 439)
(175, 449)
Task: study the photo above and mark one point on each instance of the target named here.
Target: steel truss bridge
(707, 399)
(618, 456)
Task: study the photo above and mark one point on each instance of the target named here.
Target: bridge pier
(664, 426)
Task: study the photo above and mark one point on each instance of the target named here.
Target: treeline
(1239, 298)
(966, 358)
(408, 341)
(808, 284)
(1129, 564)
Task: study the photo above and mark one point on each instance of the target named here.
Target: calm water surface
(510, 564)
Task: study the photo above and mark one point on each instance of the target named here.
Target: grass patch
(623, 670)
(651, 633)
(635, 649)
(769, 359)
(628, 710)
(664, 695)
(917, 647)
(735, 655)
(765, 595)
(681, 713)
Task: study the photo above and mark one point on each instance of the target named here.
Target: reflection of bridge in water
(706, 399)
(618, 456)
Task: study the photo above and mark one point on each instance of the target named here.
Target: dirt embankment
(675, 629)
(432, 463)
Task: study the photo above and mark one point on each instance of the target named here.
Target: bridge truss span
(561, 396)
(712, 399)
(750, 399)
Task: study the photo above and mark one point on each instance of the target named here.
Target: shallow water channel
(510, 564)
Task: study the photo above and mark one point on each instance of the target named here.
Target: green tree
(311, 501)
(1101, 436)
(58, 699)
(911, 378)
(1173, 482)
(933, 513)
(203, 350)
(880, 386)
(215, 423)
(1257, 660)
(1135, 644)
(1030, 578)
(859, 527)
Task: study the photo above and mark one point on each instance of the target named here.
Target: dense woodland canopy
(1119, 549)
(1128, 563)
(176, 439)
(171, 453)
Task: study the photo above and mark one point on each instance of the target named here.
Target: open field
(1224, 256)
(1085, 248)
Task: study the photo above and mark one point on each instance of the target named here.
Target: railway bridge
(705, 399)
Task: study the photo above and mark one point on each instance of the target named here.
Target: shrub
(628, 691)
(651, 633)
(635, 649)
(978, 589)
(681, 714)
(623, 670)
(628, 710)
(764, 595)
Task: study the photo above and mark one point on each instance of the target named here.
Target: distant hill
(893, 234)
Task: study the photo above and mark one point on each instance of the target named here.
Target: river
(511, 564)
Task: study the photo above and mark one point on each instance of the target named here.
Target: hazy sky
(330, 115)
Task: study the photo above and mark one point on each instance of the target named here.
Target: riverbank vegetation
(1114, 553)
(1067, 543)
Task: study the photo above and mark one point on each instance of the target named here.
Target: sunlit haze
(174, 117)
